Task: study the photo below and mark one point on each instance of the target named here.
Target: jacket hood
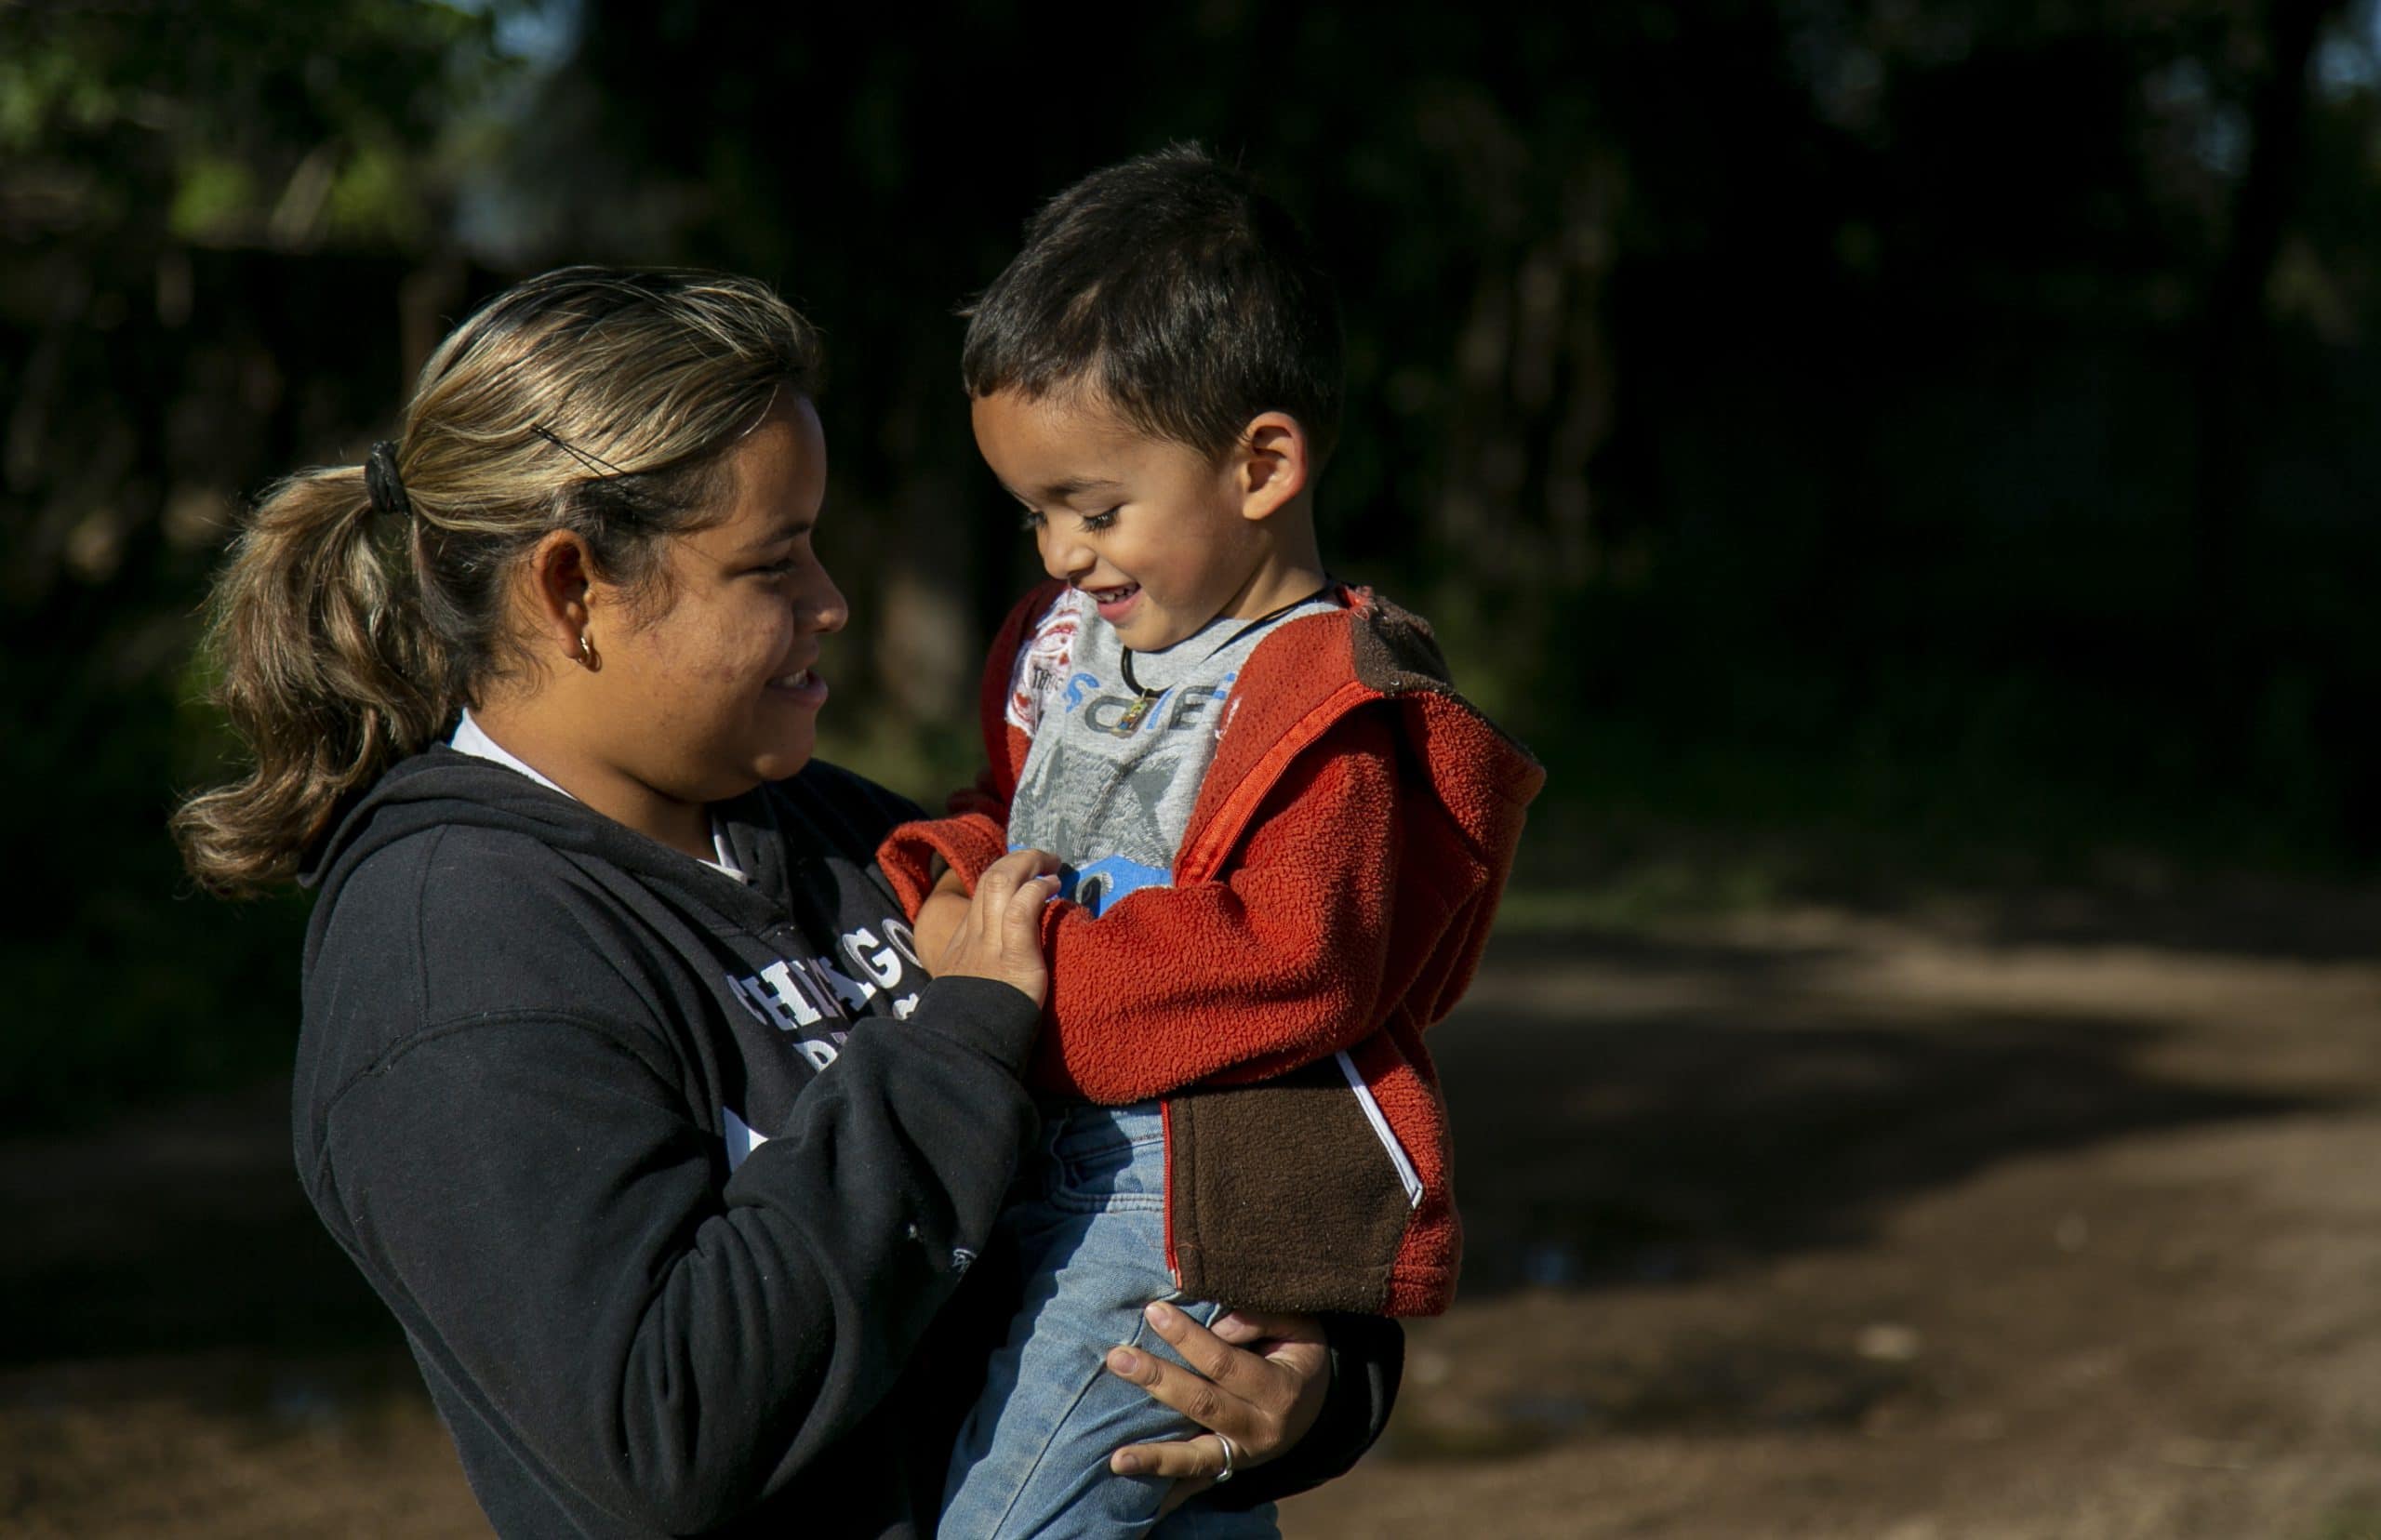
(1315, 667)
(1392, 650)
(445, 788)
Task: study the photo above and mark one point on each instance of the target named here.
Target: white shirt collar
(471, 738)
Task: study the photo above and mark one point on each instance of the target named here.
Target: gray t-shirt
(1107, 787)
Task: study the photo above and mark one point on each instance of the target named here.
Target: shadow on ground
(2282, 922)
(1742, 1120)
(1737, 1118)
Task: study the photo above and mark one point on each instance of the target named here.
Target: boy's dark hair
(1170, 284)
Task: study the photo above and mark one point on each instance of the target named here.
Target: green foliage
(153, 158)
(1802, 450)
(213, 197)
(249, 121)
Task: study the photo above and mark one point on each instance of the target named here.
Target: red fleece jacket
(1330, 900)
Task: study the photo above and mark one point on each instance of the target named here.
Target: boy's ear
(1271, 464)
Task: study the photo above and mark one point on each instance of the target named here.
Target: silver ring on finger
(1225, 1474)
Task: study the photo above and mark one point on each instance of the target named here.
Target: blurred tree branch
(2234, 358)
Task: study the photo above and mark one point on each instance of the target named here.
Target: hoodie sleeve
(1280, 961)
(531, 1195)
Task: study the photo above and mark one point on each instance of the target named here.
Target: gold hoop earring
(586, 658)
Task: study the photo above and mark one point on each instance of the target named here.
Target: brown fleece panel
(1284, 1231)
(1395, 652)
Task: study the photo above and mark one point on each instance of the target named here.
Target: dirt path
(2044, 1222)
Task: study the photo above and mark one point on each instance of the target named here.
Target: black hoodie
(537, 1048)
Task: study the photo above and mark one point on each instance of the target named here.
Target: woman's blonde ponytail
(323, 669)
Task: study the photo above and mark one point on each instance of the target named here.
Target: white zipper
(1406, 1173)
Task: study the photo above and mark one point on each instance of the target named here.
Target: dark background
(1863, 448)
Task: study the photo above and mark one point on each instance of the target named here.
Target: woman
(619, 1078)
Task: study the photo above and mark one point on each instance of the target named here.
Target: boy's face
(1151, 529)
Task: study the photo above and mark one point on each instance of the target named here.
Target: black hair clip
(596, 463)
(381, 483)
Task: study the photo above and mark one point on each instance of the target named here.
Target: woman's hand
(1001, 935)
(1261, 1381)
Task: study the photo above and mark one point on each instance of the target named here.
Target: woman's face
(718, 692)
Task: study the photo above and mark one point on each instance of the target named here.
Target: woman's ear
(559, 580)
(1271, 464)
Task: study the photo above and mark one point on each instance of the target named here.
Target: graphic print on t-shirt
(1114, 768)
(1099, 883)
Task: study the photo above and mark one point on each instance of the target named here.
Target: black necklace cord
(1134, 685)
(1149, 693)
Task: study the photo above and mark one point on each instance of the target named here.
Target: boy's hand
(939, 918)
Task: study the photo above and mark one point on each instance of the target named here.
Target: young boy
(1284, 834)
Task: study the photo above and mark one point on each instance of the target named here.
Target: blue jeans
(1088, 1217)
